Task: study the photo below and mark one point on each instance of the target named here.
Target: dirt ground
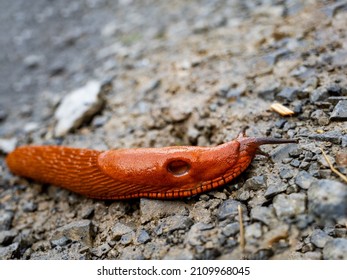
(170, 73)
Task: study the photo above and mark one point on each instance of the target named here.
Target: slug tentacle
(160, 173)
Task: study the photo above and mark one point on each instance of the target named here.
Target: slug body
(161, 173)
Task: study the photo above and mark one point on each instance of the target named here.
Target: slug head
(250, 145)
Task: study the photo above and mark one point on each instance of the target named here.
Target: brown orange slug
(161, 173)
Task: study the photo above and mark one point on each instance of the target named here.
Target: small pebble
(7, 236)
(304, 165)
(127, 238)
(7, 145)
(195, 235)
(280, 123)
(118, 230)
(3, 114)
(81, 231)
(253, 231)
(99, 121)
(304, 180)
(101, 250)
(319, 238)
(287, 173)
(274, 189)
(9, 252)
(77, 107)
(327, 200)
(5, 219)
(275, 186)
(334, 136)
(263, 214)
(173, 223)
(296, 152)
(255, 183)
(33, 61)
(87, 212)
(229, 209)
(335, 249)
(295, 163)
(287, 94)
(340, 112)
(29, 206)
(143, 236)
(319, 94)
(61, 241)
(320, 117)
(231, 229)
(287, 206)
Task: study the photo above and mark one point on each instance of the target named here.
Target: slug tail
(71, 168)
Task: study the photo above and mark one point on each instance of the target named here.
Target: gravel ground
(168, 73)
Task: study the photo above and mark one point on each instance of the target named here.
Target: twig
(333, 169)
(242, 231)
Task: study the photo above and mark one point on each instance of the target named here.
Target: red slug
(161, 173)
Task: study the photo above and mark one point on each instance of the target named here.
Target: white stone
(8, 145)
(77, 107)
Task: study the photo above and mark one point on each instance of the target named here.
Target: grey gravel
(327, 200)
(237, 59)
(331, 136)
(335, 249)
(155, 209)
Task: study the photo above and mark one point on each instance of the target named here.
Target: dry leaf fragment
(281, 109)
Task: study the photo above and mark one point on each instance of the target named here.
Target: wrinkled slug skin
(169, 172)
